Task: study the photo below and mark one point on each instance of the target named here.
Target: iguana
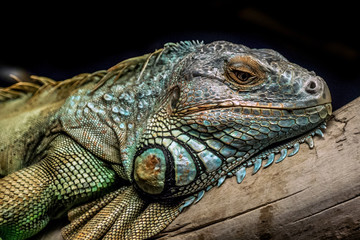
(123, 151)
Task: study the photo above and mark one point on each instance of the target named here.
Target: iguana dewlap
(122, 152)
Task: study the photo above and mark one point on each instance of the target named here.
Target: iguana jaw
(254, 107)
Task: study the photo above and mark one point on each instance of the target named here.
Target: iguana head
(225, 104)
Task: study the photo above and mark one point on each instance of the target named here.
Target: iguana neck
(109, 119)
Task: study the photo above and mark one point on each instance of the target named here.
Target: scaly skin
(66, 176)
(140, 142)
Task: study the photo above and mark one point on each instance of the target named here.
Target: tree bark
(312, 195)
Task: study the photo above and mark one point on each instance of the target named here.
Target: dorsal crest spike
(185, 46)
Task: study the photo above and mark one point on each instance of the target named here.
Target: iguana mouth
(256, 109)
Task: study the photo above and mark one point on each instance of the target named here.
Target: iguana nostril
(312, 86)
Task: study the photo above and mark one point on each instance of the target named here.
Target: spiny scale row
(256, 161)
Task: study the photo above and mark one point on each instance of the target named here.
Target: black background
(60, 40)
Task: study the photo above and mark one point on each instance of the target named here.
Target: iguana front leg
(67, 175)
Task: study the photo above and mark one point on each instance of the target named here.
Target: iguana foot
(122, 214)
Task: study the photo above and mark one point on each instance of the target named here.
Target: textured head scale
(228, 103)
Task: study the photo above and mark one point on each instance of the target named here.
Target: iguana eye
(241, 77)
(244, 71)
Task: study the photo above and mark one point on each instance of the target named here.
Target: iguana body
(129, 148)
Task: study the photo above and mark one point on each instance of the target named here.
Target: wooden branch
(312, 195)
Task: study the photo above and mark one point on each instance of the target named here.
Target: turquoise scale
(210, 160)
(185, 169)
